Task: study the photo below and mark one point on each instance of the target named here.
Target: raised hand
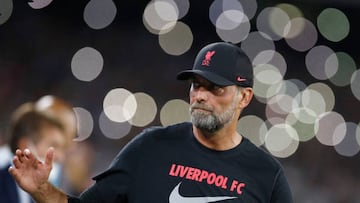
(30, 173)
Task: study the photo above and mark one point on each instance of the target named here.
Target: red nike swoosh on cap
(240, 79)
(176, 197)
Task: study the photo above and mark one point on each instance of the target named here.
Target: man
(203, 161)
(30, 129)
(58, 109)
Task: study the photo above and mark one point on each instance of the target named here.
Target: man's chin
(202, 122)
(208, 131)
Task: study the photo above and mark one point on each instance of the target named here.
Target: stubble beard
(211, 122)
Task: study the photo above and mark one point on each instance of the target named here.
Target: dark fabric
(72, 199)
(169, 165)
(8, 190)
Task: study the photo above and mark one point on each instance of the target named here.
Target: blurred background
(116, 63)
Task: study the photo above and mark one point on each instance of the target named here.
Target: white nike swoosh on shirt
(175, 197)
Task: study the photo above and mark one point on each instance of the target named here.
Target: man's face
(211, 106)
(51, 137)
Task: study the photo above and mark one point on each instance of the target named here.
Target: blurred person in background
(62, 111)
(78, 165)
(74, 174)
(31, 129)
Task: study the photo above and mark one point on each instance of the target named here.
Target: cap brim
(216, 79)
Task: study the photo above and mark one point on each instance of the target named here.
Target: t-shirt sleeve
(113, 184)
(111, 188)
(281, 191)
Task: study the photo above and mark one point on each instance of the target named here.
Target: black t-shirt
(169, 165)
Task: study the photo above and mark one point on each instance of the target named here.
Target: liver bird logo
(206, 61)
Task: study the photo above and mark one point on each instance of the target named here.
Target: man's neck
(221, 140)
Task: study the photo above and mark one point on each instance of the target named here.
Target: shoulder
(176, 131)
(7, 183)
(4, 170)
(143, 144)
(171, 128)
(260, 156)
(155, 136)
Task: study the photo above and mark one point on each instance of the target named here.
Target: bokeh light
(111, 129)
(280, 104)
(164, 29)
(301, 34)
(271, 57)
(255, 43)
(146, 110)
(230, 19)
(86, 64)
(355, 84)
(263, 57)
(333, 24)
(313, 100)
(267, 81)
(303, 121)
(291, 10)
(272, 21)
(291, 87)
(167, 10)
(6, 10)
(174, 111)
(281, 140)
(237, 33)
(39, 4)
(221, 7)
(85, 123)
(253, 128)
(98, 14)
(178, 40)
(349, 146)
(302, 114)
(358, 134)
(330, 129)
(346, 68)
(299, 84)
(321, 63)
(160, 17)
(295, 26)
(326, 92)
(273, 118)
(218, 7)
(181, 5)
(119, 105)
(249, 7)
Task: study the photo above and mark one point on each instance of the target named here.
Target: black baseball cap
(223, 64)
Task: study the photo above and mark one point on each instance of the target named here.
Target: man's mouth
(202, 109)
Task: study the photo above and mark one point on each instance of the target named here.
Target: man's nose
(200, 94)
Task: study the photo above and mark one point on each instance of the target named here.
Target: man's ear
(246, 95)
